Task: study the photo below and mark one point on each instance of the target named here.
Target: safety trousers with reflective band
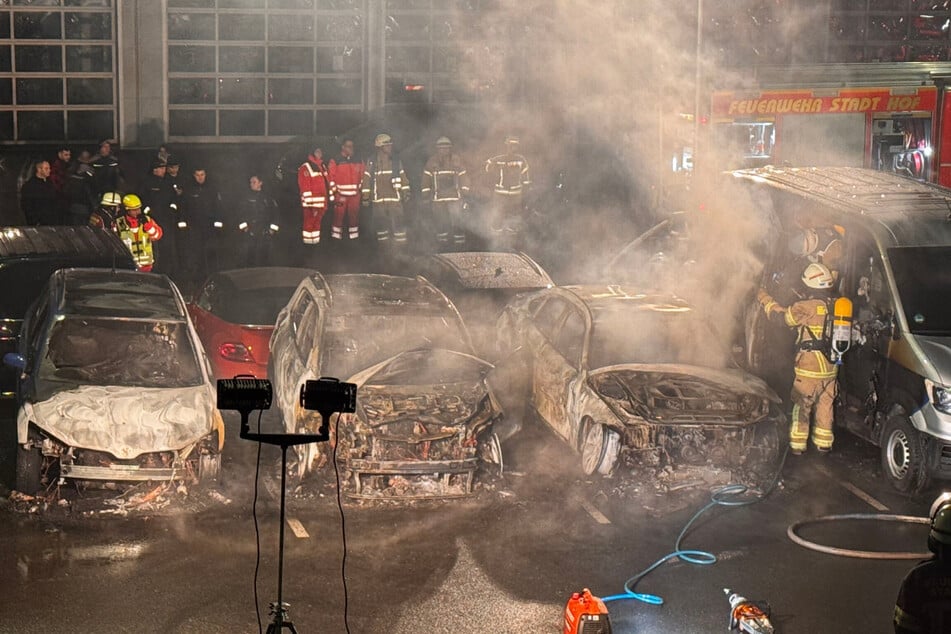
(312, 217)
(812, 397)
(388, 220)
(346, 207)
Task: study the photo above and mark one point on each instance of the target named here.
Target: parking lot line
(297, 528)
(859, 493)
(598, 516)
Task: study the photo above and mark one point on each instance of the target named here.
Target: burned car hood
(677, 393)
(426, 386)
(127, 421)
(424, 366)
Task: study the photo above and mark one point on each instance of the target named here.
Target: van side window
(38, 325)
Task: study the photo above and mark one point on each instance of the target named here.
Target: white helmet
(818, 276)
(382, 139)
(443, 141)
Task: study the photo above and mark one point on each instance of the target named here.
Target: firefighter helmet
(803, 242)
(131, 201)
(511, 139)
(382, 139)
(818, 276)
(940, 535)
(443, 141)
(111, 199)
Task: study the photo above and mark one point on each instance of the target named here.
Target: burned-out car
(424, 411)
(481, 283)
(114, 384)
(622, 375)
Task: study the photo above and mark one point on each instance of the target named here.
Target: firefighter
(510, 182)
(315, 186)
(446, 186)
(258, 225)
(813, 390)
(345, 174)
(822, 244)
(105, 216)
(385, 188)
(924, 599)
(138, 231)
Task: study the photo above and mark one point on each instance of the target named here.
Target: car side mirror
(14, 360)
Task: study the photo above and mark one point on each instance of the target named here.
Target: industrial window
(57, 71)
(264, 69)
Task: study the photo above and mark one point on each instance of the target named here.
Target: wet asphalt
(504, 560)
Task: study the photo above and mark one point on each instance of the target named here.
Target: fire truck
(892, 117)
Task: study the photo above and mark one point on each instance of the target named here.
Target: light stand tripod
(326, 396)
(279, 609)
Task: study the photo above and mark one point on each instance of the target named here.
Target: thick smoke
(607, 85)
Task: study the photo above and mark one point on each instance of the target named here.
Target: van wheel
(29, 470)
(599, 448)
(903, 459)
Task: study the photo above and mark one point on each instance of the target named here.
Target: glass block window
(437, 51)
(263, 69)
(57, 71)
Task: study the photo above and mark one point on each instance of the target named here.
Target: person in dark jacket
(107, 175)
(258, 224)
(38, 199)
(203, 246)
(161, 204)
(79, 191)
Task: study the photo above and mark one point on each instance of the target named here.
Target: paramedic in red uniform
(346, 174)
(313, 181)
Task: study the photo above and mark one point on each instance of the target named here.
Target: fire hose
(792, 533)
(729, 496)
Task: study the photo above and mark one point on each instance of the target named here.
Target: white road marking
(297, 528)
(857, 492)
(598, 516)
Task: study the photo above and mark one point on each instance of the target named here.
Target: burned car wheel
(599, 448)
(903, 456)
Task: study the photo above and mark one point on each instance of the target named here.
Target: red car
(234, 313)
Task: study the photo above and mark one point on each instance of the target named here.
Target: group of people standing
(376, 192)
(175, 222)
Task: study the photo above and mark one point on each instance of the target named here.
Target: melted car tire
(29, 470)
(903, 457)
(599, 448)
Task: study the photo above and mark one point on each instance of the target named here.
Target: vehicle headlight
(941, 398)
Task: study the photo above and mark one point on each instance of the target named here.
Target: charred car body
(424, 411)
(480, 284)
(623, 375)
(114, 384)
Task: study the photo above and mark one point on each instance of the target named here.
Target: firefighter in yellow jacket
(138, 232)
(813, 391)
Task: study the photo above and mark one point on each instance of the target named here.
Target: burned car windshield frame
(923, 280)
(117, 352)
(620, 336)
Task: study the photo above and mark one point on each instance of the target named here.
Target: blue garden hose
(723, 496)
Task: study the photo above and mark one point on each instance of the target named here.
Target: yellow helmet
(382, 139)
(111, 199)
(131, 201)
